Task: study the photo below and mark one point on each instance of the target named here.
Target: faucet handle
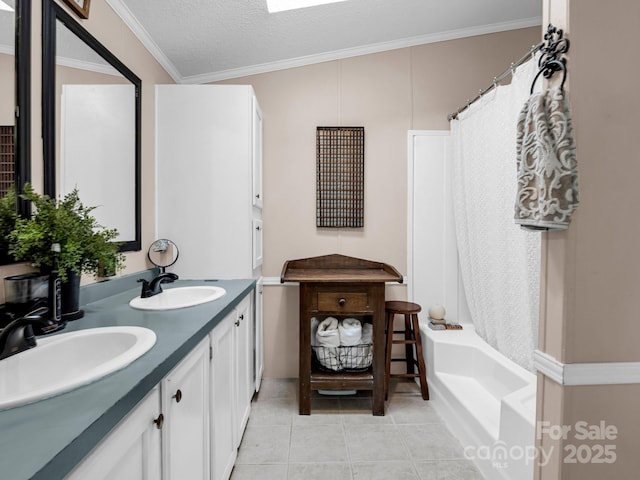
(146, 290)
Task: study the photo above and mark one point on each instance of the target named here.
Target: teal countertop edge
(48, 438)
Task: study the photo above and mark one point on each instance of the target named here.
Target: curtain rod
(497, 80)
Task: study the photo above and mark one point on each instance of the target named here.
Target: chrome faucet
(149, 289)
(20, 334)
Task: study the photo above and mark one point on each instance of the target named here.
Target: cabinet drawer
(347, 302)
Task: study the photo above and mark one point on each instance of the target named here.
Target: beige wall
(590, 280)
(108, 28)
(388, 93)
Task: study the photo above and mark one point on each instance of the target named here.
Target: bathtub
(487, 401)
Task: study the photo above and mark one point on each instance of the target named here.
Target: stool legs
(387, 372)
(413, 357)
(409, 337)
(424, 388)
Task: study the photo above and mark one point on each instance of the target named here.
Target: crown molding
(89, 66)
(363, 50)
(144, 37)
(141, 33)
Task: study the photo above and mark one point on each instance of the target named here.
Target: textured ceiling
(207, 40)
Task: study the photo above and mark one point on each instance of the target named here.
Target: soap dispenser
(55, 287)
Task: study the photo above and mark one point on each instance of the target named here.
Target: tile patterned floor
(341, 440)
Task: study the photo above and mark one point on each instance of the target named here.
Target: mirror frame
(22, 109)
(22, 157)
(51, 12)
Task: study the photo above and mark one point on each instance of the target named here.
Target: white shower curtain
(500, 262)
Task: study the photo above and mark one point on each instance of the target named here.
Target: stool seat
(413, 356)
(400, 307)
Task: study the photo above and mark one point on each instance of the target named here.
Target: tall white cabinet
(209, 178)
(209, 186)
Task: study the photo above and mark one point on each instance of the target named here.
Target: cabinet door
(131, 451)
(244, 362)
(185, 404)
(257, 243)
(223, 413)
(259, 335)
(256, 173)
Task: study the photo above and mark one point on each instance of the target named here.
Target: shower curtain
(500, 262)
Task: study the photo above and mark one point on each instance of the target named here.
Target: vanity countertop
(46, 439)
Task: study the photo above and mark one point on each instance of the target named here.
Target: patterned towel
(547, 171)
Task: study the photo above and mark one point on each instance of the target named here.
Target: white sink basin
(60, 363)
(179, 297)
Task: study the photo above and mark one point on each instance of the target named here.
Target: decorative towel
(328, 337)
(547, 171)
(350, 332)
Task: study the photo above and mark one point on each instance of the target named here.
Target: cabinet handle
(257, 195)
(258, 228)
(237, 322)
(342, 301)
(159, 421)
(242, 317)
(178, 396)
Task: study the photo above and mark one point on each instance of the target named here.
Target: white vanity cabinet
(185, 405)
(232, 386)
(209, 178)
(191, 424)
(244, 361)
(259, 335)
(132, 449)
(223, 407)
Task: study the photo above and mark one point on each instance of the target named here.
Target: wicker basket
(356, 358)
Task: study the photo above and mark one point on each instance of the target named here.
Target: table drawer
(340, 301)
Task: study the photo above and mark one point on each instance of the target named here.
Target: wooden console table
(341, 286)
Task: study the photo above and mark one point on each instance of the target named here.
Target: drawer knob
(159, 421)
(178, 396)
(342, 301)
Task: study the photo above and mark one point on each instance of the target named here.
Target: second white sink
(179, 297)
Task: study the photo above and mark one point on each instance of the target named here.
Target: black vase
(71, 298)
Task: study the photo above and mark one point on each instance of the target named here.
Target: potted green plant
(85, 246)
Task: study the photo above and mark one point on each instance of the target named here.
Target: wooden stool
(411, 337)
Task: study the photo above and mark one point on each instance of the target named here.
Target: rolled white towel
(359, 356)
(367, 334)
(350, 332)
(328, 335)
(328, 340)
(314, 330)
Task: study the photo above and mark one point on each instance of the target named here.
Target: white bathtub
(487, 401)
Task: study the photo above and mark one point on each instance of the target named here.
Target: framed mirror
(91, 109)
(15, 107)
